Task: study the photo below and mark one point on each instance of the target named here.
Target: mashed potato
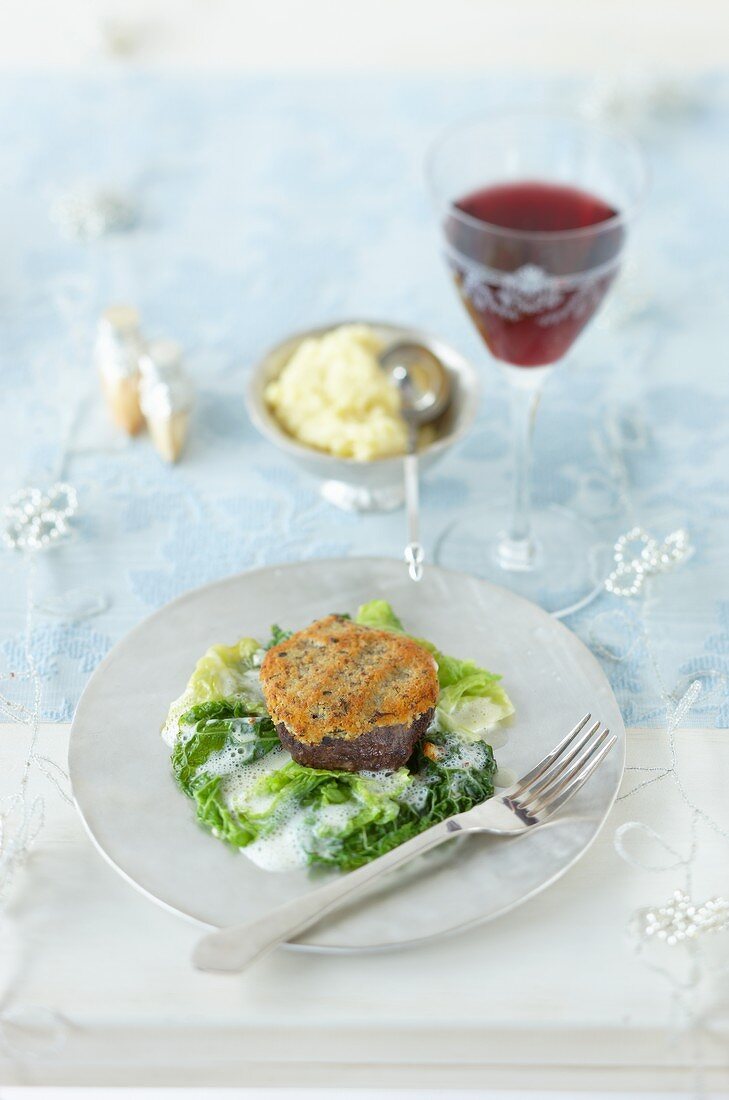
(332, 395)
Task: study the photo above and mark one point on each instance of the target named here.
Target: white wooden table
(551, 996)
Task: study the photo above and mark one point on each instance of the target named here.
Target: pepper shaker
(116, 354)
(166, 397)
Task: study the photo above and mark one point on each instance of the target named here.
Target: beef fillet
(349, 697)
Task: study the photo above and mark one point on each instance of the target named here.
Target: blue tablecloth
(268, 205)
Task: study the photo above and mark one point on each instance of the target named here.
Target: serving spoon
(425, 392)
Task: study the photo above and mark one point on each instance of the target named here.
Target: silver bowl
(375, 485)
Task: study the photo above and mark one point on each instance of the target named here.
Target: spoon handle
(414, 553)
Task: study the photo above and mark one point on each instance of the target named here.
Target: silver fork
(527, 804)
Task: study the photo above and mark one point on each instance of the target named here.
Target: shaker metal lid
(161, 358)
(120, 320)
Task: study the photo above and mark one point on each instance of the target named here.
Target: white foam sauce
(286, 846)
(415, 794)
(385, 783)
(464, 754)
(283, 849)
(170, 730)
(252, 679)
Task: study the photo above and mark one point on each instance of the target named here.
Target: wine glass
(534, 210)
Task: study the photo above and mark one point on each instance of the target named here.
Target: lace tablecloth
(268, 205)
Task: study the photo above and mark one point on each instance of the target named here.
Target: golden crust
(339, 679)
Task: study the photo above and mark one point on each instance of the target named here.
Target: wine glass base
(563, 571)
(357, 498)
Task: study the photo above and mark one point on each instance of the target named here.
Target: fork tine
(578, 781)
(560, 766)
(555, 789)
(550, 758)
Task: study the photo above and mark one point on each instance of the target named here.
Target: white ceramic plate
(145, 826)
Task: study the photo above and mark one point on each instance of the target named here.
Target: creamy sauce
(504, 777)
(284, 848)
(495, 736)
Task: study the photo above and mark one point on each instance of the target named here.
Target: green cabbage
(380, 815)
(471, 700)
(378, 613)
(221, 671)
(320, 787)
(222, 822)
(277, 635)
(207, 728)
(444, 787)
(219, 674)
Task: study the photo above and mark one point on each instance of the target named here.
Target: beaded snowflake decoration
(638, 555)
(37, 519)
(681, 919)
(89, 213)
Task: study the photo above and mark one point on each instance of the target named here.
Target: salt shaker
(166, 397)
(116, 354)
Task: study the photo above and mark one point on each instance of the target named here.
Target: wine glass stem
(517, 549)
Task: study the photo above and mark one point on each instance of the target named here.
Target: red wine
(532, 289)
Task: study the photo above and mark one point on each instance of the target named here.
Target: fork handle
(235, 949)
